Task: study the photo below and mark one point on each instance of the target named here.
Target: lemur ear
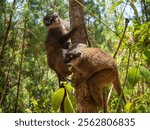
(55, 15)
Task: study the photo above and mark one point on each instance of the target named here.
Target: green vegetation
(26, 82)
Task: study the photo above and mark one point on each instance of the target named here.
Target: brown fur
(97, 68)
(57, 39)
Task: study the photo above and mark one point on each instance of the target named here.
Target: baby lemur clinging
(57, 38)
(95, 67)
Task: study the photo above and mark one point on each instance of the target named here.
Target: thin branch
(127, 68)
(5, 87)
(122, 12)
(13, 85)
(145, 10)
(120, 42)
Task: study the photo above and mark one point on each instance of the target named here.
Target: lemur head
(73, 52)
(68, 57)
(49, 19)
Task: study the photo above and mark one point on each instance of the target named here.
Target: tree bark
(84, 100)
(77, 20)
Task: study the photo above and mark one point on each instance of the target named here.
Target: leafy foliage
(133, 76)
(69, 101)
(145, 73)
(23, 65)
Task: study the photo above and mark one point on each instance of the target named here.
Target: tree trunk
(20, 68)
(7, 33)
(84, 100)
(3, 42)
(77, 19)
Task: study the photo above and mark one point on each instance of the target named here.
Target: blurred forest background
(26, 82)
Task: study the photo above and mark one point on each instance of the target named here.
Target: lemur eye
(78, 54)
(48, 22)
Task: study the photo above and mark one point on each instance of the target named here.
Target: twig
(120, 42)
(127, 68)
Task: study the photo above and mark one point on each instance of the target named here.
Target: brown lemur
(95, 67)
(56, 42)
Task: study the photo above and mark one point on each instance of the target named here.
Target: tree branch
(120, 42)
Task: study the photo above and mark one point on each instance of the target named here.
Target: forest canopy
(27, 84)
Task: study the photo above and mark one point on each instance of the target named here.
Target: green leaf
(70, 91)
(147, 56)
(115, 5)
(144, 36)
(68, 105)
(145, 73)
(135, 11)
(128, 107)
(147, 53)
(137, 32)
(133, 75)
(34, 102)
(57, 99)
(69, 88)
